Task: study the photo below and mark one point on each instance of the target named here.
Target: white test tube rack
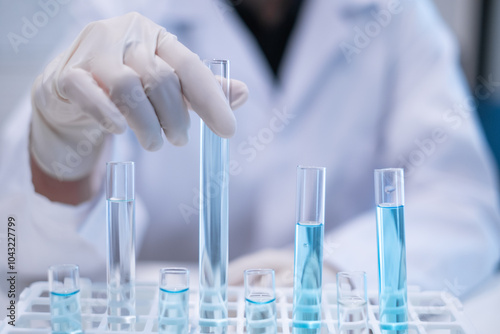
(430, 312)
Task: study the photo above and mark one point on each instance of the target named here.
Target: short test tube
(260, 301)
(120, 196)
(213, 247)
(308, 265)
(173, 301)
(389, 197)
(65, 307)
(352, 307)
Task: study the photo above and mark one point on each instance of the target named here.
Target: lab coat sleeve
(430, 129)
(47, 232)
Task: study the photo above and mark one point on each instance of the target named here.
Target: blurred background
(23, 54)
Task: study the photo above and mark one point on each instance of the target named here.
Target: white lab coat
(359, 90)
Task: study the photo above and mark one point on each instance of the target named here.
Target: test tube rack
(429, 311)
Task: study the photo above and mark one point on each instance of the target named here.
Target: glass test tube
(120, 209)
(352, 307)
(308, 266)
(173, 301)
(260, 301)
(213, 257)
(65, 308)
(389, 197)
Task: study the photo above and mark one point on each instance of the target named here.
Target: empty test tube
(213, 248)
(308, 266)
(65, 307)
(121, 245)
(352, 307)
(389, 196)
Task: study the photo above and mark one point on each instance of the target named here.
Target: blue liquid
(65, 313)
(121, 264)
(173, 311)
(214, 177)
(392, 269)
(260, 313)
(308, 270)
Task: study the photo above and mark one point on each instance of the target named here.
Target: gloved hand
(281, 260)
(125, 70)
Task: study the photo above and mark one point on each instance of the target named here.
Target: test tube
(389, 197)
(121, 245)
(213, 248)
(352, 305)
(308, 266)
(260, 301)
(173, 301)
(65, 308)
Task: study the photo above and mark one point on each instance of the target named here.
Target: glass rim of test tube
(114, 174)
(381, 193)
(316, 211)
(178, 271)
(68, 267)
(249, 287)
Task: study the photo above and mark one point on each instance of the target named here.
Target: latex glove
(281, 260)
(125, 70)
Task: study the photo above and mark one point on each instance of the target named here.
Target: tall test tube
(308, 266)
(213, 257)
(120, 209)
(389, 197)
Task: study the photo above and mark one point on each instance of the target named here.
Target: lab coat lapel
(314, 50)
(236, 42)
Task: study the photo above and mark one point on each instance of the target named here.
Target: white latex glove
(281, 260)
(125, 70)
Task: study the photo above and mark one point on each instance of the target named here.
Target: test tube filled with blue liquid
(65, 308)
(308, 266)
(389, 197)
(213, 248)
(173, 301)
(120, 210)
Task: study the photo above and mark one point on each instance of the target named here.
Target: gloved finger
(238, 92)
(199, 85)
(127, 92)
(163, 89)
(79, 87)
